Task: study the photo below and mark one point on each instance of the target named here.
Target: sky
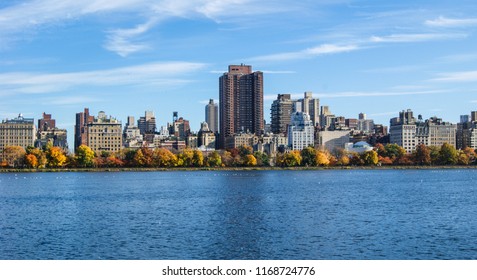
(128, 56)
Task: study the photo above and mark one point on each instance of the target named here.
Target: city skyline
(128, 57)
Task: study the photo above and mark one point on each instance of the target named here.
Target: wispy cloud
(159, 73)
(451, 22)
(125, 42)
(323, 49)
(466, 76)
(473, 101)
(422, 37)
(71, 100)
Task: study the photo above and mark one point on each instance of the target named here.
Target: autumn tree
(471, 154)
(197, 158)
(422, 155)
(370, 157)
(394, 152)
(84, 156)
(56, 157)
(39, 154)
(290, 159)
(322, 158)
(185, 158)
(14, 156)
(227, 158)
(250, 160)
(31, 161)
(164, 158)
(213, 159)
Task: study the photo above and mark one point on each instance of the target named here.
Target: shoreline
(265, 168)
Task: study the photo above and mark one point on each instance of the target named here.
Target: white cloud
(422, 37)
(466, 76)
(473, 101)
(157, 74)
(450, 22)
(323, 49)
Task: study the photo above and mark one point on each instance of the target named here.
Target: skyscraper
(311, 106)
(212, 116)
(241, 101)
(281, 112)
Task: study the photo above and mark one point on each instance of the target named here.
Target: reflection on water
(337, 214)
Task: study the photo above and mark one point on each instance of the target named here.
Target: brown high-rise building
(241, 101)
(81, 129)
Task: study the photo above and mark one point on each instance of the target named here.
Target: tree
(448, 154)
(321, 158)
(250, 160)
(262, 158)
(139, 160)
(394, 152)
(31, 161)
(470, 153)
(84, 156)
(227, 159)
(214, 159)
(370, 157)
(56, 157)
(355, 159)
(185, 158)
(290, 159)
(197, 158)
(245, 150)
(40, 156)
(309, 156)
(462, 158)
(164, 158)
(14, 156)
(435, 152)
(422, 155)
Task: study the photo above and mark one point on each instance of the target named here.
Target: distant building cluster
(238, 120)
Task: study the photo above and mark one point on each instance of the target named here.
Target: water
(337, 214)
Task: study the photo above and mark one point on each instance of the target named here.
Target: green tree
(448, 154)
(262, 158)
(309, 156)
(435, 154)
(84, 156)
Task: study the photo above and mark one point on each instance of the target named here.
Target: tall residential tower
(241, 101)
(212, 116)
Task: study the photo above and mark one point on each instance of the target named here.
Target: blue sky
(128, 56)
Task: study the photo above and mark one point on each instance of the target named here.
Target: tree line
(85, 157)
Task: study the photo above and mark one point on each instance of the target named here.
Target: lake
(320, 214)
